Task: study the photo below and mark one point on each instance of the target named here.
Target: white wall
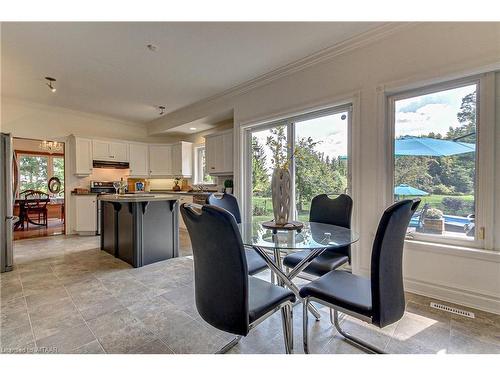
(416, 55)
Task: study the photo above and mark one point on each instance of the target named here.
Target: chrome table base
(284, 279)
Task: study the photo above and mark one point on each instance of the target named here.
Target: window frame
(50, 164)
(483, 163)
(197, 169)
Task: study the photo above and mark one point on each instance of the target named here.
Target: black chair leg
(229, 346)
(363, 345)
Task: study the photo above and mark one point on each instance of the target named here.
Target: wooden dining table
(23, 216)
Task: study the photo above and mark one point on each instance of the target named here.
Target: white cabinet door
(227, 147)
(82, 156)
(177, 160)
(160, 160)
(138, 158)
(85, 213)
(219, 154)
(182, 159)
(101, 150)
(210, 152)
(118, 151)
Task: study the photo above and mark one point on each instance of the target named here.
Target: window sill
(454, 250)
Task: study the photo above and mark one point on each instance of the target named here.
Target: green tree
(33, 173)
(260, 176)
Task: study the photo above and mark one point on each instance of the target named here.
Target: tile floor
(66, 296)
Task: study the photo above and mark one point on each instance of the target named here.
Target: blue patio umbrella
(423, 146)
(408, 190)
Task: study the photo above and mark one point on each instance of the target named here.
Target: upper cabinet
(139, 159)
(145, 160)
(182, 159)
(82, 155)
(109, 151)
(174, 160)
(160, 160)
(219, 153)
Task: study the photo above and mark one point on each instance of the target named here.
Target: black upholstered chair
(226, 297)
(228, 202)
(379, 299)
(327, 211)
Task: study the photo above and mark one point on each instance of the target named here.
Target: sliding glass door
(321, 165)
(319, 143)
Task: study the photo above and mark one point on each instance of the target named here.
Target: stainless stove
(100, 188)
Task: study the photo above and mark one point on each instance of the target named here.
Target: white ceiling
(105, 68)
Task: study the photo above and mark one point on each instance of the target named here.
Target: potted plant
(228, 186)
(434, 221)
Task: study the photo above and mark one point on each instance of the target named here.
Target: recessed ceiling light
(50, 83)
(192, 128)
(152, 47)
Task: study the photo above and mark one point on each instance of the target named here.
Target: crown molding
(358, 41)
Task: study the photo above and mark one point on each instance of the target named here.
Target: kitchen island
(140, 229)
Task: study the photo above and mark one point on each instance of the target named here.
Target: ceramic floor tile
(66, 340)
(120, 332)
(15, 338)
(92, 347)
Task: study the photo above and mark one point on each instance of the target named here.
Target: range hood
(110, 164)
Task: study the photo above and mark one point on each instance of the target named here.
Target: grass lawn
(266, 207)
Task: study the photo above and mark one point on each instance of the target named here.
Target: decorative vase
(176, 186)
(281, 187)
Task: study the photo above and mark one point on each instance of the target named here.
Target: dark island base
(140, 233)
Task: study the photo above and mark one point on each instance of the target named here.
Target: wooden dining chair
(36, 203)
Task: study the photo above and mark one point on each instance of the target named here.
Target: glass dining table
(313, 239)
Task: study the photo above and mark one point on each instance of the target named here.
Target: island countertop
(133, 198)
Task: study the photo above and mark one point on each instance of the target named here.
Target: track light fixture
(50, 83)
(161, 109)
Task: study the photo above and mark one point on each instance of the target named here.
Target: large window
(36, 170)
(320, 145)
(435, 159)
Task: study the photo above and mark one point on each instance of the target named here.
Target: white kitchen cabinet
(81, 155)
(139, 159)
(85, 209)
(109, 151)
(219, 153)
(183, 199)
(160, 160)
(182, 159)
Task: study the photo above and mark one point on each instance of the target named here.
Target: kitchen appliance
(110, 164)
(7, 218)
(101, 187)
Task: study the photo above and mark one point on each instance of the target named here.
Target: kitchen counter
(181, 192)
(140, 229)
(137, 197)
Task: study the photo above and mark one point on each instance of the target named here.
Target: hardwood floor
(55, 227)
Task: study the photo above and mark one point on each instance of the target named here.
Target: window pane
(58, 165)
(33, 173)
(321, 148)
(201, 172)
(435, 159)
(263, 148)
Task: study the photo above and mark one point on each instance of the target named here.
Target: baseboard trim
(460, 297)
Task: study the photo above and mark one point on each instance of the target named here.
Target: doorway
(39, 181)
